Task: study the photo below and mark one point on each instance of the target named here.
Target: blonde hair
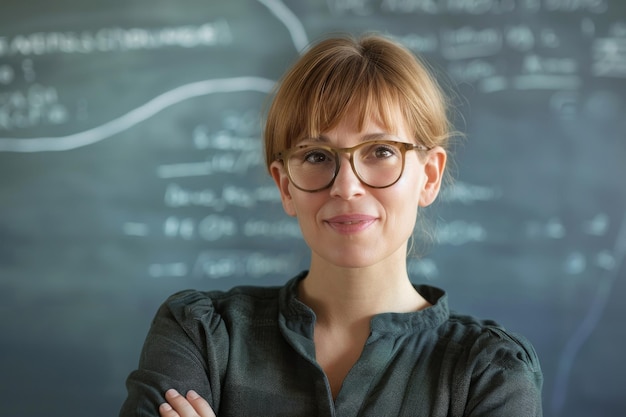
(372, 76)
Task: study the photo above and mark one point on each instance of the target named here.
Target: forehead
(366, 126)
(360, 119)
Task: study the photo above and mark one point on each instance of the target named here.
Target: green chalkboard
(130, 168)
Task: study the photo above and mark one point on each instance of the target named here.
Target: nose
(346, 184)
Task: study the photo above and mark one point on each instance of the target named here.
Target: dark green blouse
(249, 351)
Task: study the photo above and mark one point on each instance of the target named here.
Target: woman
(356, 142)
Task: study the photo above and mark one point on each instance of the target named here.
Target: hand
(191, 406)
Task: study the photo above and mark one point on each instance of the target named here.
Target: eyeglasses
(376, 163)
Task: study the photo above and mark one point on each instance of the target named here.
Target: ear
(281, 179)
(433, 168)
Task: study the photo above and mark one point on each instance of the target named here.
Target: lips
(350, 223)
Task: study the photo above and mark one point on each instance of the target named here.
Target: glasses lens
(312, 168)
(378, 164)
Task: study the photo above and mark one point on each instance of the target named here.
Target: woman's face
(351, 224)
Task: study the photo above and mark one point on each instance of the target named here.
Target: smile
(350, 224)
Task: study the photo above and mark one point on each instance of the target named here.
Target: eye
(316, 156)
(385, 151)
(381, 151)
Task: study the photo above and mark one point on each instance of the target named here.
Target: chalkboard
(130, 168)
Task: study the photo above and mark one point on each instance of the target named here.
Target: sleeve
(507, 378)
(186, 348)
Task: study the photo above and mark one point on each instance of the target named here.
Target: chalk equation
(464, 7)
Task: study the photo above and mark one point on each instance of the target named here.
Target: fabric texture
(249, 351)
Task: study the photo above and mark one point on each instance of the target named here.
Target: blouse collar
(300, 317)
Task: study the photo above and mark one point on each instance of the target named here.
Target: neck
(344, 297)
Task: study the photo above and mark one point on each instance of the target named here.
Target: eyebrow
(364, 138)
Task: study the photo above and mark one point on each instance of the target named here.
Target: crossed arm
(190, 406)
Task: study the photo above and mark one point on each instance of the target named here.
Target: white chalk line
(588, 324)
(161, 102)
(138, 115)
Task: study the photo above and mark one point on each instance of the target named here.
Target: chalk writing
(477, 7)
(28, 69)
(227, 264)
(139, 114)
(471, 71)
(575, 263)
(410, 6)
(37, 105)
(546, 82)
(467, 7)
(229, 162)
(598, 225)
(214, 227)
(179, 227)
(115, 39)
(468, 42)
(565, 104)
(7, 74)
(609, 57)
(279, 229)
(605, 259)
(357, 7)
(459, 232)
(177, 196)
(493, 84)
(520, 38)
(594, 6)
(551, 229)
(185, 189)
(530, 5)
(421, 43)
(461, 192)
(231, 195)
(550, 65)
(470, 7)
(224, 140)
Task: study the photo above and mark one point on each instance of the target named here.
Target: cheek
(406, 212)
(307, 209)
(403, 203)
(409, 186)
(305, 205)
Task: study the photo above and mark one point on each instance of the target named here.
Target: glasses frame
(283, 156)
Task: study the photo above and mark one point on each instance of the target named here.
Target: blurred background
(130, 168)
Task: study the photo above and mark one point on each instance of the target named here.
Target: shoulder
(499, 370)
(483, 341)
(237, 303)
(486, 343)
